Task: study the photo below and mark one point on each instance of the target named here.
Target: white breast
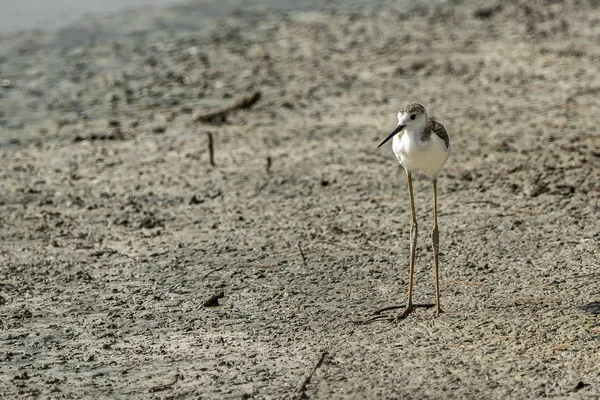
(416, 155)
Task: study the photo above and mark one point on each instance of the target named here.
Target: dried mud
(130, 267)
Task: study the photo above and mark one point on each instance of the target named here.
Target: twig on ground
(303, 256)
(213, 300)
(470, 283)
(302, 389)
(516, 211)
(395, 307)
(158, 253)
(219, 115)
(590, 275)
(211, 148)
(210, 272)
(160, 388)
(269, 163)
(101, 252)
(483, 202)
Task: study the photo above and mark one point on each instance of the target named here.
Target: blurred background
(42, 14)
(44, 44)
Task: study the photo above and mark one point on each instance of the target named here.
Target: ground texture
(116, 231)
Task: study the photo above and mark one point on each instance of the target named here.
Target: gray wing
(439, 130)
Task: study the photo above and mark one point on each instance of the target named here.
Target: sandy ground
(42, 14)
(115, 229)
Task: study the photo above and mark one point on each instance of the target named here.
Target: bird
(420, 144)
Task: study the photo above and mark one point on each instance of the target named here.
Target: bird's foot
(438, 311)
(403, 314)
(379, 315)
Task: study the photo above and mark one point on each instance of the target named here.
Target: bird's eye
(413, 116)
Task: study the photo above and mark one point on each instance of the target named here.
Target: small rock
(591, 308)
(213, 301)
(23, 377)
(196, 200)
(487, 12)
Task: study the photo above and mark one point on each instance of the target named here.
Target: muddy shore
(132, 268)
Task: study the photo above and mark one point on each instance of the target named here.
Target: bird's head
(413, 117)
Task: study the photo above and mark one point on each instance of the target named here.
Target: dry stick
(395, 307)
(266, 183)
(493, 203)
(303, 256)
(211, 148)
(213, 300)
(269, 163)
(165, 386)
(210, 272)
(472, 283)
(306, 380)
(512, 212)
(590, 275)
(220, 114)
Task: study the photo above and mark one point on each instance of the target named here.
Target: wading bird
(423, 146)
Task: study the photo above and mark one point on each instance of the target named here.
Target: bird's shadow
(381, 315)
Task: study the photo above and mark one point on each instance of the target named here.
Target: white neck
(416, 128)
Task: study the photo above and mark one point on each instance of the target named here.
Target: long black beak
(391, 135)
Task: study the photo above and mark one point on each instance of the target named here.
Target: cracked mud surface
(132, 268)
